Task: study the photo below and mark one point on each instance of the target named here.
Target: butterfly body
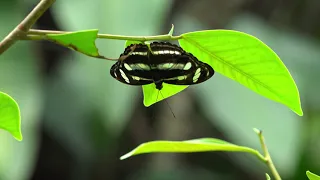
(163, 62)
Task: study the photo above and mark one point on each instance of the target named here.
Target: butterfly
(161, 62)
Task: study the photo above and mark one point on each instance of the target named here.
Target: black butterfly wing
(165, 62)
(175, 66)
(200, 74)
(122, 75)
(131, 66)
(169, 60)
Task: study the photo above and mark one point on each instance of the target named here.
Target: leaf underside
(81, 41)
(152, 95)
(246, 60)
(195, 145)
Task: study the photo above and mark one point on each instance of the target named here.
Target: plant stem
(35, 34)
(21, 30)
(267, 156)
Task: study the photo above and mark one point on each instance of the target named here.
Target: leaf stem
(20, 31)
(35, 34)
(267, 156)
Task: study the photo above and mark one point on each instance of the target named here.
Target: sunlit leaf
(195, 145)
(246, 60)
(81, 41)
(10, 116)
(152, 95)
(312, 176)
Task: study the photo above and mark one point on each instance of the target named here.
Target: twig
(21, 30)
(267, 156)
(35, 34)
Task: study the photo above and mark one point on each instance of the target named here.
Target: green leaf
(10, 116)
(312, 176)
(246, 60)
(195, 145)
(81, 41)
(152, 95)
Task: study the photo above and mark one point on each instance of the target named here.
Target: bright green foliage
(152, 95)
(10, 116)
(196, 145)
(81, 41)
(312, 176)
(246, 60)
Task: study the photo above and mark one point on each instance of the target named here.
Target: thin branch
(267, 156)
(21, 30)
(35, 34)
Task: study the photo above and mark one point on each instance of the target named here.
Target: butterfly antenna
(168, 105)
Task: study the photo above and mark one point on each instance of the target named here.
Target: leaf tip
(18, 136)
(312, 176)
(299, 111)
(146, 103)
(126, 156)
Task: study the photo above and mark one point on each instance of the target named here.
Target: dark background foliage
(77, 121)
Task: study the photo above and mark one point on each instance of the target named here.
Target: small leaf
(10, 116)
(152, 95)
(246, 60)
(312, 176)
(171, 30)
(195, 145)
(267, 176)
(81, 41)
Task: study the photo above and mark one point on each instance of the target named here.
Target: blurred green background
(77, 120)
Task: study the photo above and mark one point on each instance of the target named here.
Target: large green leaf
(246, 60)
(81, 41)
(10, 116)
(312, 176)
(195, 145)
(152, 95)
